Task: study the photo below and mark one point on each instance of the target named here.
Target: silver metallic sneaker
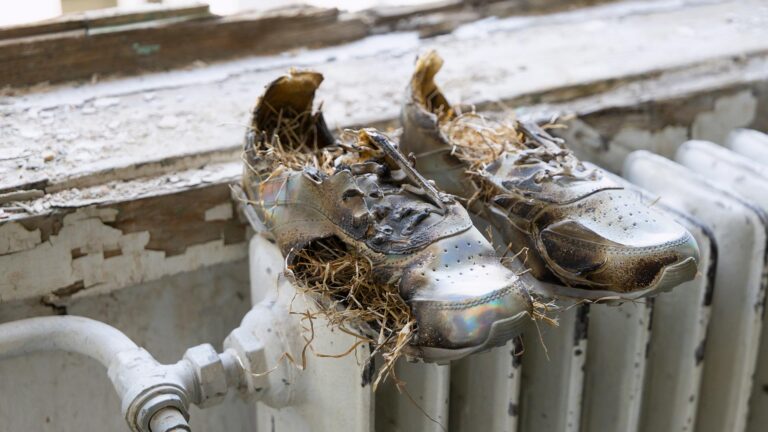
(579, 227)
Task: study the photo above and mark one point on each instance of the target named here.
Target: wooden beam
(111, 41)
(390, 15)
(100, 18)
(157, 45)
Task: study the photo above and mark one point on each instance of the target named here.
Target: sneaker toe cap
(462, 292)
(630, 257)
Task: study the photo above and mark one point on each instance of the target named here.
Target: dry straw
(341, 280)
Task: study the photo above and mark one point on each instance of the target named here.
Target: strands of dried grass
(478, 140)
(290, 139)
(542, 309)
(342, 283)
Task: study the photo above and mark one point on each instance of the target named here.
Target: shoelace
(424, 187)
(548, 150)
(416, 185)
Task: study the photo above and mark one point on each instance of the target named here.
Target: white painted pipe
(145, 387)
(84, 336)
(155, 397)
(169, 420)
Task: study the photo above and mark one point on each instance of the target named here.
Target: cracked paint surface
(89, 249)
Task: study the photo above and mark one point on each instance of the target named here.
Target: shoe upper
(366, 194)
(578, 225)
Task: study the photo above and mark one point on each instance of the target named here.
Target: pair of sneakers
(405, 210)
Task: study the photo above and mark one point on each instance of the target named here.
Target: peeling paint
(15, 238)
(100, 249)
(220, 212)
(730, 112)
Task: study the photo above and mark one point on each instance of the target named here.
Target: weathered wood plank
(390, 15)
(536, 6)
(442, 17)
(159, 45)
(105, 18)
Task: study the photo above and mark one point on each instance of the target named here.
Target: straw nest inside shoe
(479, 140)
(349, 298)
(294, 142)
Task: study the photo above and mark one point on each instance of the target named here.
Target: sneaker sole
(669, 278)
(500, 333)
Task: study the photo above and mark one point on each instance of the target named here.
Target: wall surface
(69, 393)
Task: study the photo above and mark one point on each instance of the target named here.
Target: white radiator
(690, 360)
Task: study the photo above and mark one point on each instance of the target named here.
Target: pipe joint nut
(210, 376)
(249, 351)
(148, 408)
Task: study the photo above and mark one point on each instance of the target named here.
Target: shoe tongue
(546, 171)
(524, 178)
(395, 159)
(405, 213)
